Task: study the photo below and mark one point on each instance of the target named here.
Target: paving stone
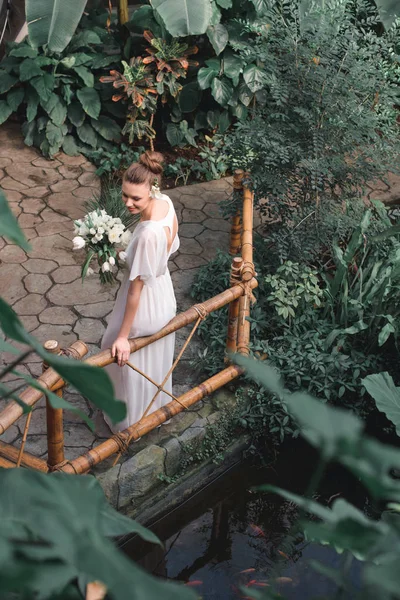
(35, 444)
(195, 345)
(109, 482)
(15, 208)
(212, 210)
(70, 160)
(189, 261)
(65, 185)
(86, 193)
(2, 173)
(70, 294)
(190, 230)
(88, 166)
(30, 322)
(54, 246)
(50, 216)
(193, 216)
(67, 205)
(70, 171)
(89, 330)
(223, 398)
(12, 254)
(217, 224)
(35, 368)
(5, 162)
(39, 265)
(172, 266)
(191, 201)
(57, 227)
(10, 435)
(183, 281)
(12, 195)
(225, 184)
(58, 315)
(38, 424)
(47, 163)
(206, 410)
(37, 284)
(102, 430)
(211, 243)
(78, 435)
(90, 179)
(62, 333)
(179, 423)
(192, 436)
(140, 474)
(8, 183)
(33, 176)
(29, 220)
(97, 310)
(66, 274)
(38, 192)
(2, 243)
(173, 457)
(11, 286)
(190, 246)
(29, 233)
(32, 304)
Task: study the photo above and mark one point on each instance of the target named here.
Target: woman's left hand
(122, 350)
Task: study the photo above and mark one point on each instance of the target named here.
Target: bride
(146, 301)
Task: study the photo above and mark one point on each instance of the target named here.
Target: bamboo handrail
(119, 441)
(28, 460)
(6, 464)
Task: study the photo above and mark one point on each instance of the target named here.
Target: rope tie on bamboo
(62, 464)
(124, 444)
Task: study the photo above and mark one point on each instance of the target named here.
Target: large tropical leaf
(184, 17)
(388, 11)
(53, 22)
(9, 226)
(386, 395)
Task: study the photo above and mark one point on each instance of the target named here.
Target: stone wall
(139, 474)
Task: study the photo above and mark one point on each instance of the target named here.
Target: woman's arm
(120, 347)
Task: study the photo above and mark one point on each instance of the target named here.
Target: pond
(229, 538)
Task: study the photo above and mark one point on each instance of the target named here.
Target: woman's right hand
(122, 350)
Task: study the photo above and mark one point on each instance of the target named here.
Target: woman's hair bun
(153, 161)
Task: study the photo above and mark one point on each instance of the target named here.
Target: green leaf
(55, 134)
(29, 69)
(175, 136)
(6, 82)
(15, 97)
(144, 18)
(213, 118)
(24, 51)
(9, 227)
(86, 75)
(200, 120)
(224, 121)
(218, 36)
(386, 395)
(32, 101)
(87, 134)
(184, 17)
(69, 146)
(29, 130)
(5, 111)
(107, 128)
(261, 6)
(245, 94)
(353, 330)
(222, 90)
(44, 86)
(384, 333)
(190, 97)
(76, 114)
(254, 78)
(90, 101)
(224, 3)
(55, 108)
(84, 38)
(233, 66)
(52, 22)
(206, 75)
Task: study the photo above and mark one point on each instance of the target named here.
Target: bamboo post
(233, 314)
(119, 441)
(123, 13)
(243, 337)
(54, 418)
(13, 411)
(236, 227)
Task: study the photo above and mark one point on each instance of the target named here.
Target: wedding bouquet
(101, 234)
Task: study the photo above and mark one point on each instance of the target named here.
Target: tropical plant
(298, 146)
(372, 543)
(115, 160)
(55, 95)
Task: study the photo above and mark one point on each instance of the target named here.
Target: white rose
(105, 267)
(100, 230)
(92, 231)
(122, 256)
(78, 242)
(114, 236)
(126, 237)
(111, 260)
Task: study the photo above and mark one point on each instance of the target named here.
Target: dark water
(229, 537)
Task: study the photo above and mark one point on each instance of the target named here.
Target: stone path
(44, 287)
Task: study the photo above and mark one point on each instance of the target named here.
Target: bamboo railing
(239, 297)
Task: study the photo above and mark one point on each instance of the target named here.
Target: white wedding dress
(147, 257)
